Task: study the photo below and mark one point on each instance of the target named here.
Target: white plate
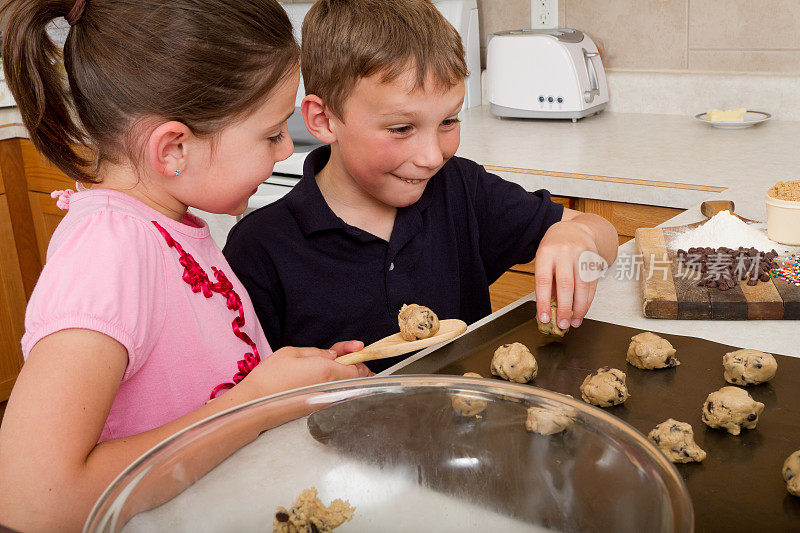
(751, 118)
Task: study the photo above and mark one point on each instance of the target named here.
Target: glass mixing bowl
(395, 448)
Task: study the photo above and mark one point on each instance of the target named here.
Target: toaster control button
(550, 99)
(560, 100)
(541, 98)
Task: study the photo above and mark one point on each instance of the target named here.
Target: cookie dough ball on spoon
(649, 352)
(732, 409)
(514, 362)
(676, 440)
(417, 322)
(466, 405)
(748, 367)
(791, 473)
(551, 328)
(605, 387)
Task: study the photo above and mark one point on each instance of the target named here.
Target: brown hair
(345, 40)
(199, 62)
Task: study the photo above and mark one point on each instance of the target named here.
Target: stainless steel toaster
(552, 73)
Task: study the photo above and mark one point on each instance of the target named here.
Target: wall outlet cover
(544, 14)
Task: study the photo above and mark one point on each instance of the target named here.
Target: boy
(385, 214)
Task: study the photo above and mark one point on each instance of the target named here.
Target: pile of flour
(724, 229)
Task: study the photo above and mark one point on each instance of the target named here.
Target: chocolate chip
(674, 427)
(684, 452)
(751, 417)
(733, 379)
(789, 474)
(758, 364)
(313, 528)
(280, 516)
(764, 277)
(656, 439)
(710, 406)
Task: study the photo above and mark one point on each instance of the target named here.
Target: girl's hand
(291, 368)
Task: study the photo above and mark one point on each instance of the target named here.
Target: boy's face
(394, 139)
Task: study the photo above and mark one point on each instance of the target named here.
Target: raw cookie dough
(791, 473)
(466, 405)
(308, 513)
(748, 367)
(649, 351)
(605, 387)
(417, 322)
(548, 421)
(676, 440)
(514, 362)
(551, 328)
(731, 408)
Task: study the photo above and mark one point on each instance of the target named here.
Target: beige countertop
(665, 160)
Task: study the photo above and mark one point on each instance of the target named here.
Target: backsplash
(697, 35)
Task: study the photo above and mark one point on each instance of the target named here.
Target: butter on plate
(729, 115)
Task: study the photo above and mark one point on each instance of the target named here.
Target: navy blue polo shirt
(315, 280)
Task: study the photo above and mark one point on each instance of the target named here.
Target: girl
(137, 321)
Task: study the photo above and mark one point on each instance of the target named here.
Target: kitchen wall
(697, 35)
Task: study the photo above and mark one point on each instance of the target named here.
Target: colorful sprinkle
(789, 270)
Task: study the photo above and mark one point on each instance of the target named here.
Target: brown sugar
(786, 190)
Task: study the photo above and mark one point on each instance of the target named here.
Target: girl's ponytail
(30, 60)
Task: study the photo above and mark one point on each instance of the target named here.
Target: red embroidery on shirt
(195, 276)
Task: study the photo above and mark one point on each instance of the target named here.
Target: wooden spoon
(396, 345)
(709, 208)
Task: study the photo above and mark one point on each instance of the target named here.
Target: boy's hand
(557, 258)
(291, 368)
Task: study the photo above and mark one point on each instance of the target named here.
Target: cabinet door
(41, 174)
(509, 288)
(46, 216)
(12, 305)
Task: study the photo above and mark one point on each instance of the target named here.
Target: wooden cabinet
(625, 217)
(28, 217)
(12, 304)
(46, 216)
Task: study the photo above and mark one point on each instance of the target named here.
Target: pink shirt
(109, 269)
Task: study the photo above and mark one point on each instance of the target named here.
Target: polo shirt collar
(313, 213)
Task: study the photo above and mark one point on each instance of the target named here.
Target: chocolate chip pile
(723, 268)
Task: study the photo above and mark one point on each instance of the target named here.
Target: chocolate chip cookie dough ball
(548, 420)
(676, 440)
(551, 328)
(514, 362)
(308, 513)
(731, 408)
(748, 367)
(466, 404)
(649, 351)
(605, 387)
(791, 473)
(417, 322)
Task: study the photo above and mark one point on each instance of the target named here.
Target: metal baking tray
(739, 487)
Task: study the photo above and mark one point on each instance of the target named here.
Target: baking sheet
(739, 486)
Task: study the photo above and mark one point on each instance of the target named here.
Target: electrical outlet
(544, 14)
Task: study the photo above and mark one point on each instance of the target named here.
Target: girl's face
(230, 170)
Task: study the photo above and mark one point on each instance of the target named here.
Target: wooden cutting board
(667, 294)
